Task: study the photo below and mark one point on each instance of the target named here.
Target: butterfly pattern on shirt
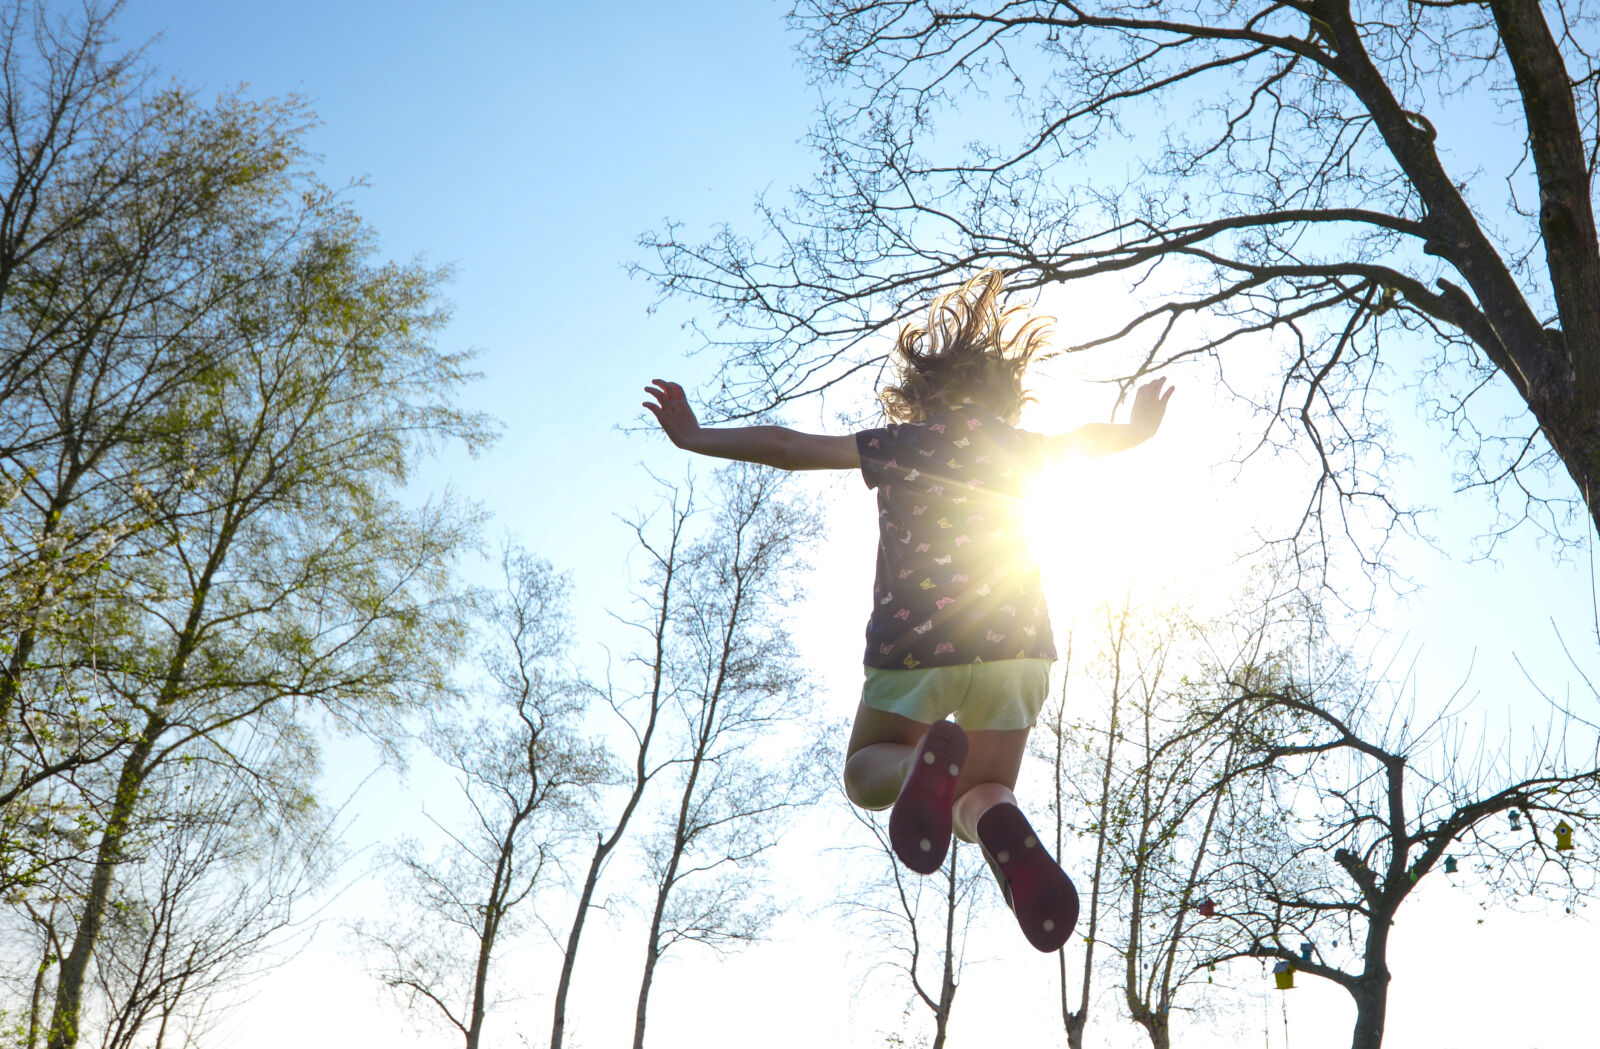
(955, 581)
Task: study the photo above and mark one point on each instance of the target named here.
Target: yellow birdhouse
(1563, 837)
(1283, 975)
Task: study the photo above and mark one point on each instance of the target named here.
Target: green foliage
(214, 393)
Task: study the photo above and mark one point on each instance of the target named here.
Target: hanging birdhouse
(1283, 976)
(1563, 837)
(1516, 820)
(1207, 908)
(1449, 864)
(1305, 952)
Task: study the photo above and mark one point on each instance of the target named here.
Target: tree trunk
(1371, 994)
(641, 779)
(947, 976)
(75, 967)
(1574, 433)
(1371, 989)
(36, 1000)
(480, 975)
(569, 958)
(651, 956)
(669, 878)
(1075, 1023)
(1156, 1025)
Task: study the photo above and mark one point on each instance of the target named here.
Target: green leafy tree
(225, 393)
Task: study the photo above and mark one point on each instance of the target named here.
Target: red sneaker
(1038, 890)
(919, 825)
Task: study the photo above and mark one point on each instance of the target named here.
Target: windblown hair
(964, 352)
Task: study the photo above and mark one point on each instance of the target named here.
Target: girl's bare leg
(879, 755)
(994, 757)
(880, 749)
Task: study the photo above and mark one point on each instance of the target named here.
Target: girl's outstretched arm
(771, 445)
(1096, 439)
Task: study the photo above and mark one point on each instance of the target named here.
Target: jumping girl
(958, 625)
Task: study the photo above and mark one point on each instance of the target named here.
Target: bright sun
(1145, 520)
(1092, 541)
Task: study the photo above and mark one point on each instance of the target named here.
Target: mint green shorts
(1004, 694)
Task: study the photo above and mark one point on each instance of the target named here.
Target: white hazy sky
(528, 144)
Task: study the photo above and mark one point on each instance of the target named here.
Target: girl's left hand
(1149, 405)
(672, 411)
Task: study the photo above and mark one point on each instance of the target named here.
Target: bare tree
(1174, 832)
(527, 775)
(1136, 786)
(1352, 798)
(921, 922)
(1290, 172)
(1081, 779)
(734, 682)
(640, 710)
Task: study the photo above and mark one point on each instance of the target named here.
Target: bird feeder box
(1449, 864)
(1563, 837)
(1305, 952)
(1283, 976)
(1516, 820)
(1207, 908)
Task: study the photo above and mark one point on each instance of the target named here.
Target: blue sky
(527, 145)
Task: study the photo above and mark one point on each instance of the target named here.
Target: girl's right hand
(672, 411)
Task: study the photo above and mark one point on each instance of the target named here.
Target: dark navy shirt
(956, 582)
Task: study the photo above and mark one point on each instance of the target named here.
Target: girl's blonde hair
(964, 353)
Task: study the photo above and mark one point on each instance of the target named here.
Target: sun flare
(1120, 527)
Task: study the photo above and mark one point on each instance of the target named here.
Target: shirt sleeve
(876, 451)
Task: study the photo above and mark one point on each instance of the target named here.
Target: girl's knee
(868, 783)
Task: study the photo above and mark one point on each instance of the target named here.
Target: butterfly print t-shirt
(956, 582)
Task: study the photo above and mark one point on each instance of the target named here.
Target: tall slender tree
(920, 923)
(735, 681)
(640, 707)
(527, 774)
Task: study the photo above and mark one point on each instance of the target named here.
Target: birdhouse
(1305, 952)
(1563, 837)
(1449, 864)
(1207, 908)
(1283, 976)
(1516, 820)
